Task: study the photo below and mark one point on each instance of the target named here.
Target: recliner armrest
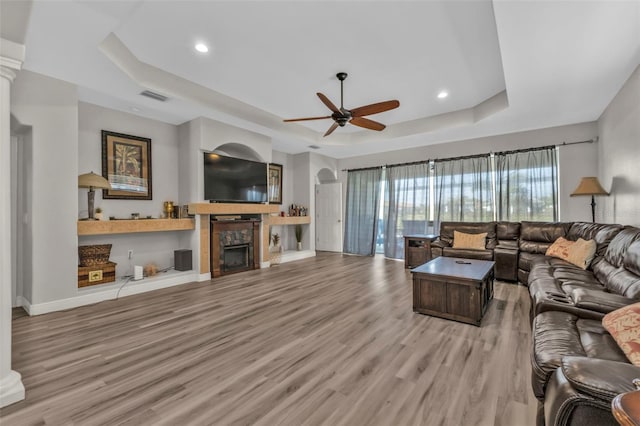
(599, 378)
(439, 243)
(599, 301)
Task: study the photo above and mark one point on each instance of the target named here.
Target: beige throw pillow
(579, 253)
(469, 241)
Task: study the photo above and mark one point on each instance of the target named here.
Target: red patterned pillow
(624, 326)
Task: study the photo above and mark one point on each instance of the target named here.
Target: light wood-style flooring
(329, 340)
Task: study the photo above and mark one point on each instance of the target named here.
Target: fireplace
(235, 257)
(235, 246)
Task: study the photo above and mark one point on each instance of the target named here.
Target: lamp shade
(92, 180)
(589, 186)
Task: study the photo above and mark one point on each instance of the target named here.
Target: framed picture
(275, 183)
(126, 164)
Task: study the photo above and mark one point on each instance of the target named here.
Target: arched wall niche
(326, 176)
(238, 150)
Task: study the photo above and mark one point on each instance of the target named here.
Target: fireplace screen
(235, 257)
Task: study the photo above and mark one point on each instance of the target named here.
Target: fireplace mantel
(232, 208)
(206, 209)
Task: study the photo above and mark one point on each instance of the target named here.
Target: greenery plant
(298, 233)
(276, 239)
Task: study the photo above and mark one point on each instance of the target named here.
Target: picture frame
(275, 183)
(126, 164)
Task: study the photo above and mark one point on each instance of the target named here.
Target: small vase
(299, 246)
(97, 216)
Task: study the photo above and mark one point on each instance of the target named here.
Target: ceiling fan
(354, 116)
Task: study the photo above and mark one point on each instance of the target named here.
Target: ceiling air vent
(314, 147)
(153, 95)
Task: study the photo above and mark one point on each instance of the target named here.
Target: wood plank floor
(328, 340)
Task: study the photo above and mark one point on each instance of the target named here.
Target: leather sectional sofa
(577, 367)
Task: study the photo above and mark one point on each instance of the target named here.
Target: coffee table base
(454, 298)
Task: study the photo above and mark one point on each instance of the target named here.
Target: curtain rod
(438, 160)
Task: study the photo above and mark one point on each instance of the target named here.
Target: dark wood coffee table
(453, 288)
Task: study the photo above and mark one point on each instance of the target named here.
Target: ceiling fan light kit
(341, 116)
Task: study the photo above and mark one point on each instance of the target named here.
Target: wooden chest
(453, 288)
(98, 274)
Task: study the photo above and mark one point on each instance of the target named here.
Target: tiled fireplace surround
(232, 241)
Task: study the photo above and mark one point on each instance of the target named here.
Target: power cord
(128, 278)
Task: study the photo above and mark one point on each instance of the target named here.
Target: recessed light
(202, 48)
(443, 94)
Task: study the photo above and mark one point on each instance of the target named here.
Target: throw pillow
(579, 253)
(624, 326)
(560, 248)
(469, 241)
(582, 253)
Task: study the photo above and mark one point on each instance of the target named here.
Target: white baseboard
(265, 264)
(88, 296)
(204, 277)
(292, 255)
(11, 389)
(25, 303)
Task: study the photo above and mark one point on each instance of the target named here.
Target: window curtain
(463, 190)
(406, 206)
(527, 185)
(361, 211)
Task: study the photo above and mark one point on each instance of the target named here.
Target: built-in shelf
(289, 220)
(232, 208)
(104, 227)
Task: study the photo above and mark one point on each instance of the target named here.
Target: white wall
(575, 161)
(92, 119)
(50, 107)
(619, 153)
(147, 247)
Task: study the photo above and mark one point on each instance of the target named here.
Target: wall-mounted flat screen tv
(234, 180)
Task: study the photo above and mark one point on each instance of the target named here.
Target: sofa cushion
(507, 231)
(624, 326)
(539, 235)
(468, 253)
(462, 240)
(601, 233)
(632, 259)
(560, 334)
(619, 244)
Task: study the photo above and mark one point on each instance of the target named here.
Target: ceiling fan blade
(328, 103)
(331, 129)
(306, 119)
(375, 108)
(367, 124)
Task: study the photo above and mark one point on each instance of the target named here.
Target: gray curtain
(406, 201)
(463, 190)
(361, 211)
(527, 185)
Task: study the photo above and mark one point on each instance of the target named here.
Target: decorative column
(11, 58)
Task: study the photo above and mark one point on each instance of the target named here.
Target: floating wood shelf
(232, 208)
(103, 227)
(289, 220)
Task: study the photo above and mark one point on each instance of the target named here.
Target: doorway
(329, 217)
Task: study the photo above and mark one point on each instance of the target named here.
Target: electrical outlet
(130, 254)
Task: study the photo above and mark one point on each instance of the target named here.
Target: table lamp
(590, 186)
(92, 181)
